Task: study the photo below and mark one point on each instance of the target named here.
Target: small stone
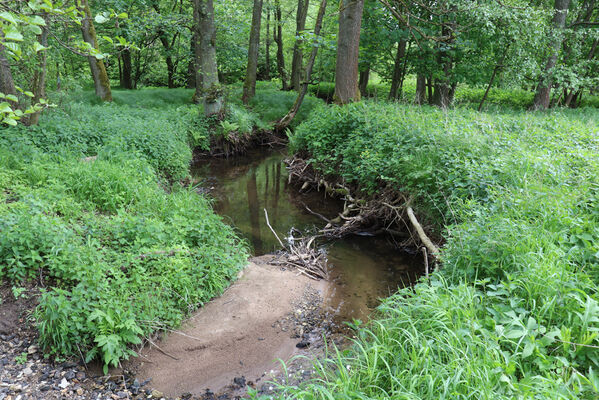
(156, 394)
(15, 388)
(122, 395)
(80, 392)
(63, 383)
(27, 371)
(80, 376)
(69, 375)
(32, 349)
(303, 344)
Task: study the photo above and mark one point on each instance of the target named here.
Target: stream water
(362, 269)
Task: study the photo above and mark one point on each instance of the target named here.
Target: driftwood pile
(301, 253)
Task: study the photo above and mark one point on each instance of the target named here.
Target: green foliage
(122, 257)
(513, 313)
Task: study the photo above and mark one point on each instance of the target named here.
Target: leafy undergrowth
(465, 97)
(118, 255)
(513, 313)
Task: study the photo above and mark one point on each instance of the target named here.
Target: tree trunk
(126, 81)
(296, 61)
(98, 70)
(212, 94)
(543, 93)
(197, 52)
(420, 89)
(396, 81)
(286, 120)
(267, 69)
(192, 66)
(7, 82)
(348, 48)
(363, 80)
(249, 86)
(278, 37)
(39, 77)
(429, 89)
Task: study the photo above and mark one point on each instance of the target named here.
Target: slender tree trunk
(363, 78)
(197, 52)
(429, 89)
(420, 89)
(249, 87)
(348, 48)
(39, 77)
(543, 93)
(573, 92)
(296, 61)
(126, 81)
(497, 68)
(98, 70)
(192, 66)
(267, 69)
(286, 120)
(212, 94)
(397, 79)
(278, 37)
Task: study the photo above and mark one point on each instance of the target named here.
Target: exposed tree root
(385, 211)
(239, 143)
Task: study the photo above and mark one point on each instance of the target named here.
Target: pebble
(63, 383)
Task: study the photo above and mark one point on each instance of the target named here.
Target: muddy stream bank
(271, 312)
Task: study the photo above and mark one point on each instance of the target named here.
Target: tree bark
(126, 81)
(543, 93)
(348, 48)
(363, 80)
(296, 61)
(267, 44)
(278, 38)
(212, 94)
(192, 66)
(249, 87)
(284, 122)
(197, 52)
(98, 70)
(420, 89)
(39, 77)
(7, 82)
(396, 81)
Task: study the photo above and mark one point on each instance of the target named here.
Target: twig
(425, 262)
(272, 230)
(162, 351)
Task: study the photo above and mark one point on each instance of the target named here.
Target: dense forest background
(422, 51)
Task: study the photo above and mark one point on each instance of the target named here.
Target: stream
(362, 269)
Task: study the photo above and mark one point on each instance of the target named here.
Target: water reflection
(363, 269)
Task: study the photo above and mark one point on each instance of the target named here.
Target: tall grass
(513, 312)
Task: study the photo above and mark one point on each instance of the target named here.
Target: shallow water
(362, 269)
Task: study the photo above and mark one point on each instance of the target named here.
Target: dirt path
(240, 334)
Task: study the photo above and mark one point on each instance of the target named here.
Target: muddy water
(363, 269)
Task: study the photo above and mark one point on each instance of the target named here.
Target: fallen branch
(434, 250)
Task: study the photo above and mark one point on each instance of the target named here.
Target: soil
(234, 342)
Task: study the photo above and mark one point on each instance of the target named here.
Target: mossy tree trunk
(398, 71)
(249, 86)
(296, 61)
(211, 94)
(98, 70)
(7, 82)
(348, 48)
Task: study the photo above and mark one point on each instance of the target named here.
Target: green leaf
(11, 33)
(100, 19)
(5, 108)
(7, 16)
(11, 97)
(37, 20)
(38, 47)
(109, 40)
(10, 121)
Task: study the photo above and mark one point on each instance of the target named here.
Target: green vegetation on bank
(513, 312)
